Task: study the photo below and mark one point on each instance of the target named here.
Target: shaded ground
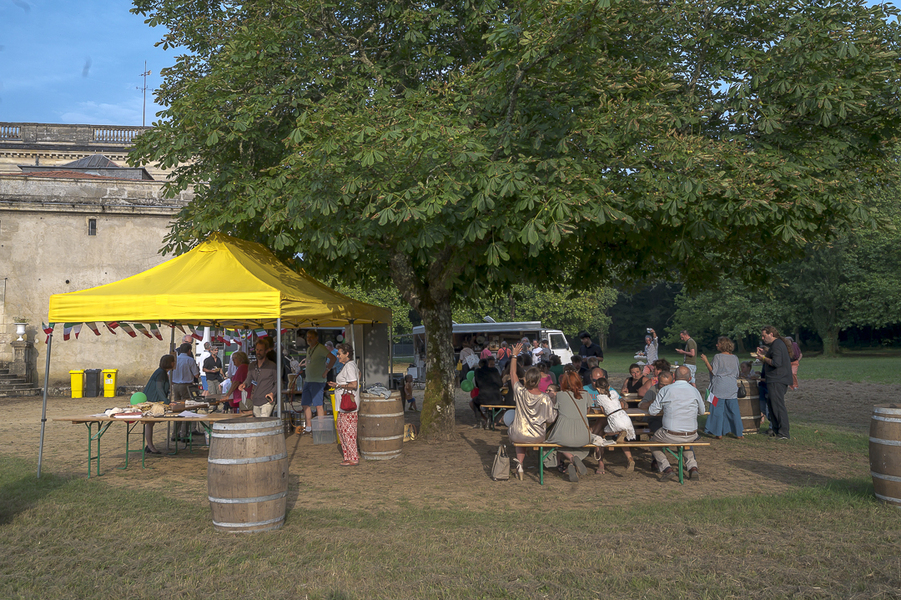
(456, 473)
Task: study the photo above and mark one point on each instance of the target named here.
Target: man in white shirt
(680, 403)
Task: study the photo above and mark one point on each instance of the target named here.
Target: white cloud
(94, 113)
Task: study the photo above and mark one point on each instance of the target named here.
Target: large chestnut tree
(456, 145)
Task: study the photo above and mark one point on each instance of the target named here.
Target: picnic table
(103, 423)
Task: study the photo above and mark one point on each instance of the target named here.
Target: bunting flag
(76, 329)
(196, 336)
(93, 327)
(156, 332)
(111, 327)
(261, 333)
(48, 329)
(67, 330)
(140, 327)
(127, 329)
(180, 328)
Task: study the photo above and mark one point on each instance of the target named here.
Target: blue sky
(77, 61)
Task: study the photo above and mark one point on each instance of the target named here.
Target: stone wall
(45, 249)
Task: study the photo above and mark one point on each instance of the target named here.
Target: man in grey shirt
(680, 403)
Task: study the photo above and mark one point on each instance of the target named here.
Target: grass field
(825, 537)
(855, 366)
(829, 542)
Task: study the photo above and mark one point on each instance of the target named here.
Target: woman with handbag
(725, 414)
(347, 390)
(571, 427)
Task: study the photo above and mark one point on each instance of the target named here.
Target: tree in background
(852, 281)
(437, 145)
(565, 308)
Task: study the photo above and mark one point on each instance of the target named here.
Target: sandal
(348, 463)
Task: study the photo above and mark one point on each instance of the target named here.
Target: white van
(492, 334)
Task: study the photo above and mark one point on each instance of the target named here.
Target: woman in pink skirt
(347, 382)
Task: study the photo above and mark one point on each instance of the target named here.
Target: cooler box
(324, 431)
(77, 378)
(92, 384)
(109, 382)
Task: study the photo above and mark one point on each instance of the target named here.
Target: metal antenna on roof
(144, 89)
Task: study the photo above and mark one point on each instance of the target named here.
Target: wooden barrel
(247, 474)
(749, 407)
(380, 429)
(885, 452)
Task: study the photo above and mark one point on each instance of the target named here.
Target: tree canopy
(852, 281)
(439, 144)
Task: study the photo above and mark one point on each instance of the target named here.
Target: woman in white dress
(618, 422)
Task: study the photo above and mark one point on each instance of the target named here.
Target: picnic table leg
(92, 437)
(679, 457)
(541, 456)
(129, 427)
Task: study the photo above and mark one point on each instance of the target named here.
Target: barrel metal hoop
(248, 500)
(367, 416)
(887, 419)
(885, 477)
(380, 453)
(247, 461)
(226, 425)
(383, 438)
(257, 524)
(217, 434)
(885, 442)
(893, 501)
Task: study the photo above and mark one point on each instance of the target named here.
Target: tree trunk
(438, 410)
(828, 332)
(830, 341)
(430, 295)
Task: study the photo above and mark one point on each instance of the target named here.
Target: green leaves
(519, 137)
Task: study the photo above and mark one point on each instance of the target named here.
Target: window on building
(92, 226)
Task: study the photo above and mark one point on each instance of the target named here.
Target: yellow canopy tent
(223, 282)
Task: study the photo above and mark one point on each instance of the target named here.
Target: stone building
(74, 216)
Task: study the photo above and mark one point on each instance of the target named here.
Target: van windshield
(558, 342)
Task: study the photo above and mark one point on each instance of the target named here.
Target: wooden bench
(544, 450)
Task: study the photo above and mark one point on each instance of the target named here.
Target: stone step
(20, 393)
(17, 386)
(7, 377)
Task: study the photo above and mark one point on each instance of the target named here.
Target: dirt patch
(456, 473)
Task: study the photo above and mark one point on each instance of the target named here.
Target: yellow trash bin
(109, 382)
(77, 378)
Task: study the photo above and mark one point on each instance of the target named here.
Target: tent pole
(44, 406)
(278, 365)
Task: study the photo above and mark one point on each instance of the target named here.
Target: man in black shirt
(212, 368)
(590, 349)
